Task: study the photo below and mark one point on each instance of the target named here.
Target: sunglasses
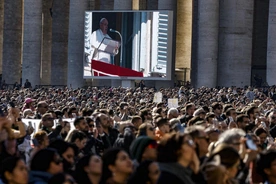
(153, 145)
(273, 117)
(57, 161)
(91, 125)
(151, 129)
(156, 172)
(236, 143)
(190, 142)
(205, 138)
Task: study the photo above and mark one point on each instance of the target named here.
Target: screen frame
(170, 51)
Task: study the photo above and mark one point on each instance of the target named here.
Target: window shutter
(162, 41)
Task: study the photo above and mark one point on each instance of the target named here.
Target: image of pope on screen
(101, 44)
(134, 44)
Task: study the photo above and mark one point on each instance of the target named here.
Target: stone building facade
(215, 43)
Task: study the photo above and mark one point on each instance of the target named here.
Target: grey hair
(271, 113)
(102, 19)
(174, 121)
(172, 111)
(229, 136)
(194, 130)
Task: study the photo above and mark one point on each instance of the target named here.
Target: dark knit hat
(42, 159)
(138, 146)
(61, 146)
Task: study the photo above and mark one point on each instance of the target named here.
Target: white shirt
(95, 40)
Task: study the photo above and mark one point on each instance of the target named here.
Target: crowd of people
(124, 136)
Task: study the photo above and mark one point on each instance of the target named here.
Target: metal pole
(121, 54)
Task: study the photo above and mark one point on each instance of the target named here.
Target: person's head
(200, 138)
(231, 112)
(181, 148)
(86, 111)
(116, 162)
(160, 111)
(47, 160)
(42, 107)
(190, 109)
(146, 129)
(266, 165)
(262, 134)
(232, 137)
(252, 112)
(58, 113)
(206, 109)
(217, 108)
(145, 115)
(229, 157)
(232, 125)
(103, 119)
(222, 126)
(272, 117)
(256, 141)
(209, 117)
(65, 112)
(212, 133)
(226, 107)
(143, 148)
(90, 123)
(40, 139)
(175, 125)
(147, 172)
(81, 124)
(136, 121)
(14, 170)
(52, 113)
(89, 165)
(48, 120)
(163, 125)
(78, 138)
(67, 126)
(172, 113)
(104, 25)
(160, 105)
(67, 151)
(27, 113)
(72, 112)
(200, 113)
(123, 106)
(196, 121)
(62, 178)
(242, 121)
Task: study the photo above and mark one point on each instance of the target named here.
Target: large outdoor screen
(128, 44)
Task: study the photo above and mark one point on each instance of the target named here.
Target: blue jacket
(39, 177)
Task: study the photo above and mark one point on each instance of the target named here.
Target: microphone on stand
(113, 31)
(121, 54)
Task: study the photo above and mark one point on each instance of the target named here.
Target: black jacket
(174, 173)
(109, 139)
(93, 145)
